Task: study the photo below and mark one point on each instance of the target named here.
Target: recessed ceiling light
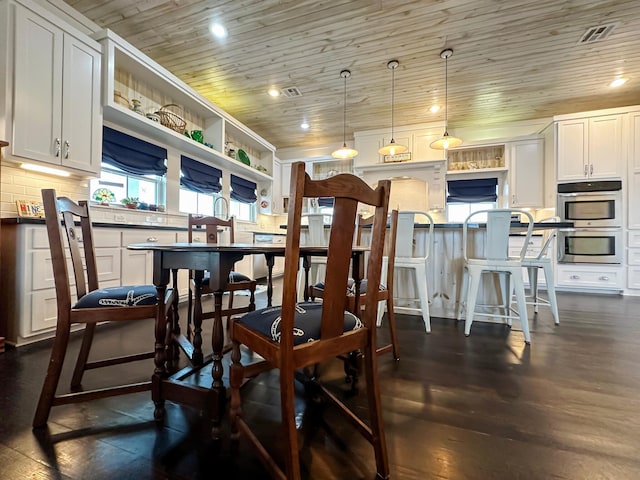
(618, 82)
(304, 126)
(274, 92)
(218, 30)
(434, 108)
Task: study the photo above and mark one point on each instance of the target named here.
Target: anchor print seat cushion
(125, 296)
(307, 323)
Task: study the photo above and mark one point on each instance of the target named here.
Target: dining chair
(408, 259)
(213, 226)
(297, 335)
(490, 254)
(541, 260)
(71, 245)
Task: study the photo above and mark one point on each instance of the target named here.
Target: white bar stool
(493, 257)
(405, 258)
(533, 264)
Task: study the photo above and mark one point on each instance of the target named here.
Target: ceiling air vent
(595, 34)
(291, 92)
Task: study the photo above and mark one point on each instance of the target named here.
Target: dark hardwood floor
(482, 407)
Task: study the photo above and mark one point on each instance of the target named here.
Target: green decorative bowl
(244, 158)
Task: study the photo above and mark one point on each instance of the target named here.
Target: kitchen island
(445, 267)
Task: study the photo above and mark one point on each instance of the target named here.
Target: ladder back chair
(237, 281)
(492, 256)
(87, 304)
(295, 336)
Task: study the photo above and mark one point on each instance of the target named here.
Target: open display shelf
(134, 75)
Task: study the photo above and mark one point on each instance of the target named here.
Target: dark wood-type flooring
(483, 407)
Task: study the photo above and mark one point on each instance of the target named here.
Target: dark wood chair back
(339, 332)
(69, 229)
(211, 225)
(212, 229)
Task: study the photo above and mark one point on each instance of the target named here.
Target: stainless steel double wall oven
(595, 208)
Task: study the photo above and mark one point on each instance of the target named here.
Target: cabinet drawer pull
(604, 278)
(152, 239)
(197, 239)
(591, 169)
(57, 146)
(67, 148)
(575, 277)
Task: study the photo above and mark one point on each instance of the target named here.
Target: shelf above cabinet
(127, 118)
(136, 76)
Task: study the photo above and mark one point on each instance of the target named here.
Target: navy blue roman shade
(325, 202)
(243, 190)
(131, 154)
(472, 191)
(198, 177)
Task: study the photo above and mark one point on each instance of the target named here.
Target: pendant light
(345, 152)
(392, 148)
(446, 141)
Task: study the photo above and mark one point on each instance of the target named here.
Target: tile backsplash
(19, 184)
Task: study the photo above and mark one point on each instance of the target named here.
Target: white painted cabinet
(29, 299)
(422, 150)
(633, 182)
(526, 174)
(137, 265)
(367, 147)
(590, 148)
(285, 179)
(633, 200)
(590, 277)
(56, 94)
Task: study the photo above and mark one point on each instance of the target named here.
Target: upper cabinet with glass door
(144, 97)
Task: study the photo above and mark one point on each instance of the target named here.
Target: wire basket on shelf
(171, 119)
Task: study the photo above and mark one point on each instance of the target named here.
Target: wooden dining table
(184, 386)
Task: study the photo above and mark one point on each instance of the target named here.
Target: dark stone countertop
(40, 221)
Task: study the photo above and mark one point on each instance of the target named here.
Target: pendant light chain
(446, 92)
(393, 97)
(344, 152)
(446, 141)
(344, 117)
(392, 148)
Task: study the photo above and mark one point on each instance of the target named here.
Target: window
(243, 199)
(130, 168)
(197, 203)
(458, 212)
(199, 186)
(148, 189)
(467, 196)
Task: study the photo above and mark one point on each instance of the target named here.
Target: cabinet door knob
(57, 146)
(67, 148)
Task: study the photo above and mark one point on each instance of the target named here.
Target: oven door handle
(590, 194)
(592, 229)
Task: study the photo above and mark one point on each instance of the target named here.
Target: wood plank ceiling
(513, 60)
